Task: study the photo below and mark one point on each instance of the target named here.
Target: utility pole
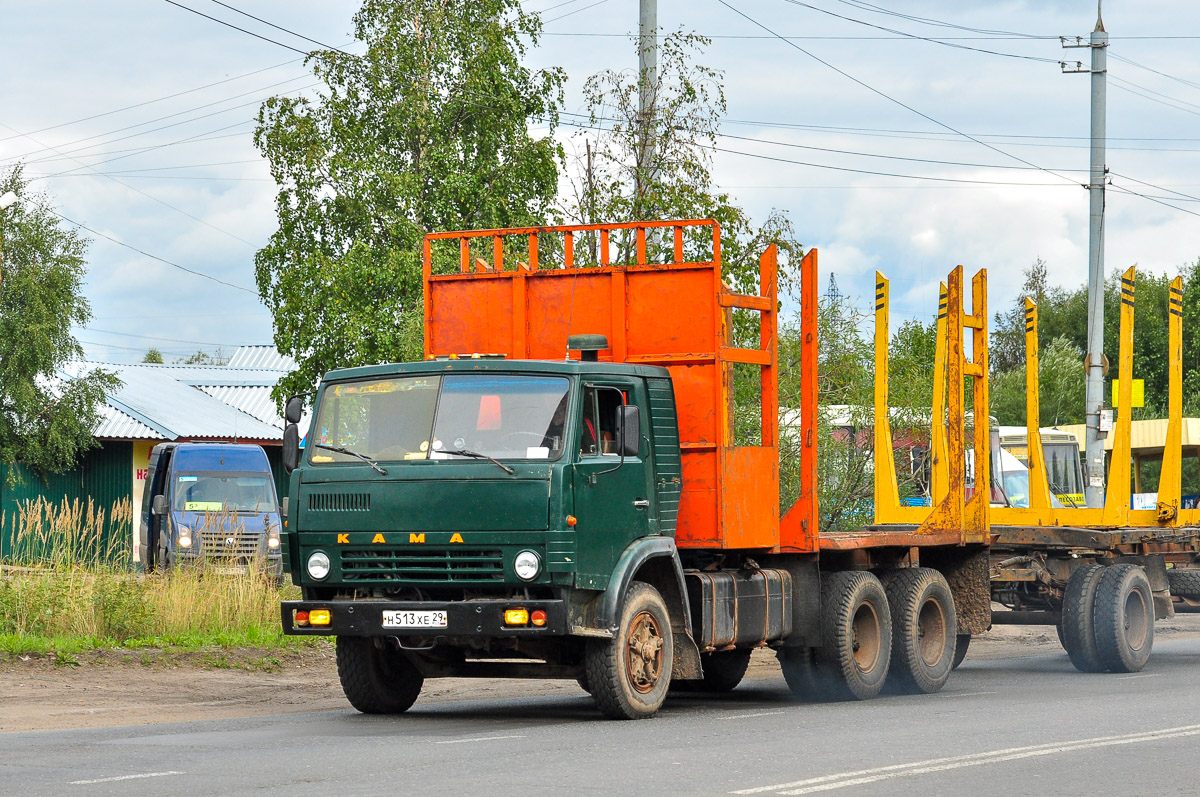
(1095, 363)
(590, 204)
(648, 77)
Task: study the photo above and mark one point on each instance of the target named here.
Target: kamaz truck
(557, 492)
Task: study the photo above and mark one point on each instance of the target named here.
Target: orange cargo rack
(674, 314)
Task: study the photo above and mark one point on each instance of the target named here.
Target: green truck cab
(474, 509)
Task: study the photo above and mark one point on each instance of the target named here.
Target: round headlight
(185, 541)
(527, 565)
(318, 565)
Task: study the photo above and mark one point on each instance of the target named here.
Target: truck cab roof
(469, 364)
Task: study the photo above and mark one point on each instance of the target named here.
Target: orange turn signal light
(516, 617)
(537, 617)
(319, 617)
(572, 520)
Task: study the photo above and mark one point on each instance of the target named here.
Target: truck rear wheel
(803, 673)
(923, 626)
(629, 674)
(856, 634)
(1079, 631)
(376, 680)
(1124, 618)
(962, 643)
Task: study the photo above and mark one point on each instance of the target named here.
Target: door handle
(641, 503)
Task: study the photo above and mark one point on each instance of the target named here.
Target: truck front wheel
(629, 674)
(376, 679)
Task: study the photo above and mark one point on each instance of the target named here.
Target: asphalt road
(1029, 725)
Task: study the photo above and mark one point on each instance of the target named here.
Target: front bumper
(482, 619)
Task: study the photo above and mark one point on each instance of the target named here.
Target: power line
(937, 22)
(1167, 99)
(164, 127)
(156, 100)
(155, 337)
(1131, 62)
(893, 99)
(140, 191)
(277, 27)
(576, 11)
(235, 27)
(813, 37)
(921, 38)
(145, 253)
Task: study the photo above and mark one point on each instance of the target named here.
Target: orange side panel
(697, 523)
(694, 404)
(750, 509)
(487, 299)
(671, 312)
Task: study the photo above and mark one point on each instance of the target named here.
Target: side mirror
(291, 445)
(629, 430)
(294, 410)
(158, 505)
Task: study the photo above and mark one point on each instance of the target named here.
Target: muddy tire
(923, 626)
(376, 680)
(962, 643)
(629, 675)
(1124, 618)
(856, 634)
(1184, 583)
(1079, 630)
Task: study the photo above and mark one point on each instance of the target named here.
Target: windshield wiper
(363, 457)
(463, 452)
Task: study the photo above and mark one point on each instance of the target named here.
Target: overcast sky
(86, 102)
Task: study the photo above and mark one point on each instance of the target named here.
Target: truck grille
(216, 544)
(427, 566)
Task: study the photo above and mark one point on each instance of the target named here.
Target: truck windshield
(223, 492)
(431, 417)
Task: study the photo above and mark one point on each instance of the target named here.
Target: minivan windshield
(217, 491)
(503, 416)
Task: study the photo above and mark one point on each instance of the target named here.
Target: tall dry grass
(71, 584)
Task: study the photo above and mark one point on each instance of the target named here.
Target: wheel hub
(644, 652)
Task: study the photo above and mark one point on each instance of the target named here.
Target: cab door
(614, 499)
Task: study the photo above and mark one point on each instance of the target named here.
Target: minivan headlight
(527, 565)
(318, 565)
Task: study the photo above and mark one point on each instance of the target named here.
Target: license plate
(408, 619)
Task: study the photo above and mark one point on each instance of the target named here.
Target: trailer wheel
(1124, 618)
(376, 680)
(923, 625)
(583, 682)
(856, 632)
(1184, 583)
(962, 643)
(1079, 630)
(629, 674)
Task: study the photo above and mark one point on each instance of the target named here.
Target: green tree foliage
(1061, 387)
(1062, 320)
(153, 355)
(46, 418)
(428, 130)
